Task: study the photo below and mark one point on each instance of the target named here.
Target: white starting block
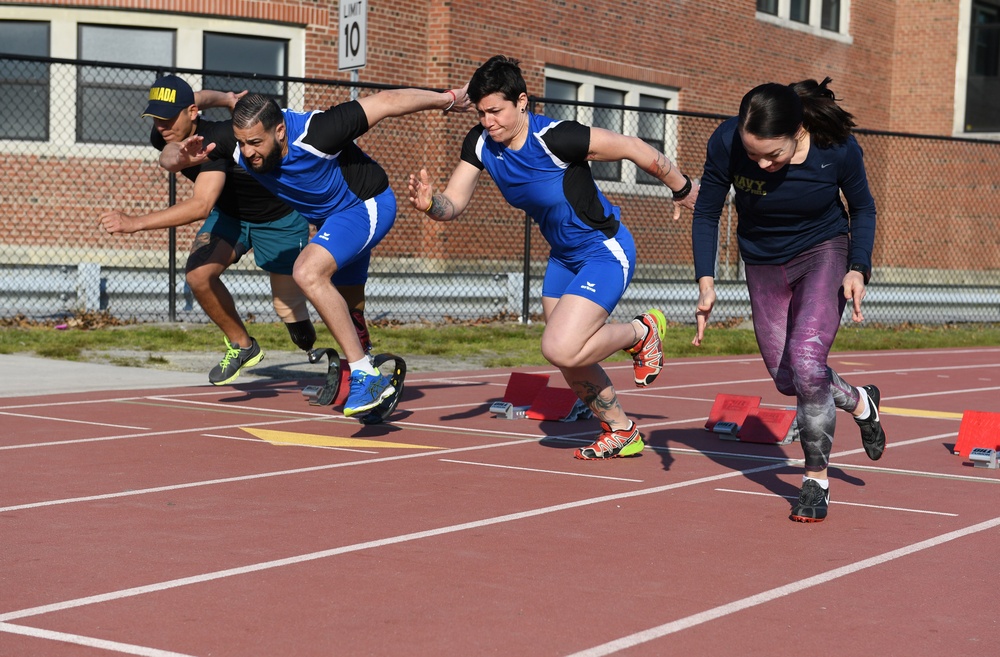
(507, 411)
(984, 457)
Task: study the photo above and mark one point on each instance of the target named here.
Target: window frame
(962, 70)
(814, 25)
(42, 83)
(586, 84)
(63, 33)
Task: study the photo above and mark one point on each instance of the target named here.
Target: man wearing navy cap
(238, 215)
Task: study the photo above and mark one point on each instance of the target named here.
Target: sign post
(353, 37)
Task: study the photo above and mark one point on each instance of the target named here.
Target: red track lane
(164, 523)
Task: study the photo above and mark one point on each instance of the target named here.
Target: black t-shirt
(242, 197)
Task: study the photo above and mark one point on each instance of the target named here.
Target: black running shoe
(812, 504)
(872, 436)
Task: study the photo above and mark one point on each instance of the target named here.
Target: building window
(768, 7)
(826, 18)
(109, 99)
(651, 128)
(799, 11)
(830, 15)
(24, 86)
(233, 53)
(630, 109)
(982, 95)
(609, 119)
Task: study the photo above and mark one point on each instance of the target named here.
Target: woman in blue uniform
(790, 155)
(541, 167)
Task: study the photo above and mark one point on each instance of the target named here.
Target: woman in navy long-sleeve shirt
(790, 155)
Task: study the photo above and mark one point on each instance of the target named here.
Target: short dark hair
(500, 74)
(257, 108)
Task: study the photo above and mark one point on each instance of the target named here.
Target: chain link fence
(72, 145)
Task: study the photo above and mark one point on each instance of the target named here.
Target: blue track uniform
(246, 215)
(592, 252)
(331, 182)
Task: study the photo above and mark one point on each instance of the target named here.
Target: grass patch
(495, 344)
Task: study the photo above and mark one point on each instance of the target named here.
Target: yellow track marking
(916, 412)
(292, 438)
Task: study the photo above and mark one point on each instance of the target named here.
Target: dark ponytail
(827, 122)
(775, 110)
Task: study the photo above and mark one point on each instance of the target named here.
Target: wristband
(453, 99)
(429, 206)
(681, 193)
(864, 270)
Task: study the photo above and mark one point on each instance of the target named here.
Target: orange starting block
(979, 429)
(729, 412)
(528, 396)
(769, 425)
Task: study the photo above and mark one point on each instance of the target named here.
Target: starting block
(554, 404)
(979, 429)
(528, 396)
(984, 457)
(338, 376)
(507, 411)
(729, 412)
(770, 426)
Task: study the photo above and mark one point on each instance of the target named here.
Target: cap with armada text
(168, 97)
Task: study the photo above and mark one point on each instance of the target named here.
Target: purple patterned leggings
(797, 308)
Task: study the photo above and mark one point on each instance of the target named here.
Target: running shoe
(234, 361)
(361, 327)
(647, 353)
(813, 503)
(367, 392)
(872, 435)
(612, 444)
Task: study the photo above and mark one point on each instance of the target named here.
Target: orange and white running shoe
(613, 444)
(647, 353)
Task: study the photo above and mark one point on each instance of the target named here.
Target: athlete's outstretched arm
(450, 203)
(610, 146)
(207, 188)
(400, 102)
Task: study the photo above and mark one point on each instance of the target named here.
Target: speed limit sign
(353, 35)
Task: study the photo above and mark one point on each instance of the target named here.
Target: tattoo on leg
(602, 406)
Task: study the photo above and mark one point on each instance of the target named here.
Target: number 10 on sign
(353, 36)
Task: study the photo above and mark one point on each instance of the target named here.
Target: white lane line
(842, 503)
(90, 642)
(251, 477)
(779, 592)
(47, 418)
(369, 545)
(148, 434)
(557, 472)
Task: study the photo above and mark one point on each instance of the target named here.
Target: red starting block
(528, 396)
(978, 429)
(554, 404)
(728, 413)
(768, 425)
(522, 388)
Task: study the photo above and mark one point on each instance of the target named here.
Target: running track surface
(241, 521)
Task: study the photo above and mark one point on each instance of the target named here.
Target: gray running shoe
(234, 361)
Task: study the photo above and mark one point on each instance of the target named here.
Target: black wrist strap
(681, 193)
(863, 269)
